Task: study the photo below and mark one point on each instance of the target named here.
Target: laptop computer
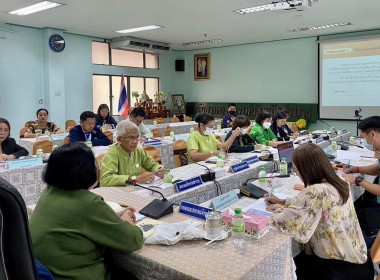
(286, 150)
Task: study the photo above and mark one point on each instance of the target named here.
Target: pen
(349, 164)
(162, 167)
(270, 194)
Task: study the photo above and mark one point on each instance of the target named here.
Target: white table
(28, 143)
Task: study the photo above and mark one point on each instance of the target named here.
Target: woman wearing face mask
(202, 143)
(8, 147)
(280, 128)
(103, 117)
(242, 143)
(231, 113)
(323, 216)
(41, 126)
(262, 133)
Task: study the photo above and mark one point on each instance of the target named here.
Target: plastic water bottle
(47, 133)
(324, 132)
(55, 146)
(168, 178)
(310, 136)
(172, 135)
(238, 227)
(332, 129)
(220, 162)
(223, 154)
(262, 173)
(191, 130)
(155, 122)
(219, 127)
(334, 145)
(291, 138)
(352, 140)
(89, 143)
(283, 167)
(40, 152)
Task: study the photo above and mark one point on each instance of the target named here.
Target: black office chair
(16, 251)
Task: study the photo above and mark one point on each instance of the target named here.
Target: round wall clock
(57, 43)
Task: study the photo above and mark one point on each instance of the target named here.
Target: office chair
(16, 252)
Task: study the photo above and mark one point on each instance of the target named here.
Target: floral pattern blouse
(317, 216)
(50, 126)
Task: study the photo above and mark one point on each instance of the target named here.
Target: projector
(290, 5)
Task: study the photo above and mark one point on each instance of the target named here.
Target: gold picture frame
(178, 104)
(202, 67)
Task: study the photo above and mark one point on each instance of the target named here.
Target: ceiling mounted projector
(278, 5)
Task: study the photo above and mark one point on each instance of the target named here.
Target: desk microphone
(209, 176)
(158, 207)
(254, 191)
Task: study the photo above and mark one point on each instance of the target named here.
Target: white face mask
(243, 131)
(208, 131)
(266, 125)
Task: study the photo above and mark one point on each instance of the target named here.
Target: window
(100, 91)
(151, 87)
(100, 53)
(151, 61)
(127, 58)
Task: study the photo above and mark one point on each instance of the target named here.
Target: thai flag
(123, 99)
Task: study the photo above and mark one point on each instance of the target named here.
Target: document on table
(348, 155)
(156, 183)
(259, 208)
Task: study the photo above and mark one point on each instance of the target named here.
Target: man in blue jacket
(87, 131)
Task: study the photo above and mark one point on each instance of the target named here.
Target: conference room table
(269, 258)
(177, 128)
(28, 143)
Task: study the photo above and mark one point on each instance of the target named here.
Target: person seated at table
(279, 127)
(42, 125)
(71, 227)
(125, 160)
(261, 131)
(231, 113)
(8, 146)
(322, 215)
(103, 117)
(202, 143)
(242, 143)
(137, 116)
(86, 130)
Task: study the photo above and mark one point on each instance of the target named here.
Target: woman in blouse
(243, 143)
(8, 147)
(41, 125)
(280, 128)
(202, 143)
(324, 216)
(71, 227)
(103, 117)
(261, 131)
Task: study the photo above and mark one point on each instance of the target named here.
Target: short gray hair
(123, 126)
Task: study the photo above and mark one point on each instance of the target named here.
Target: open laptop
(286, 150)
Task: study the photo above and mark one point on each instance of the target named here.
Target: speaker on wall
(180, 65)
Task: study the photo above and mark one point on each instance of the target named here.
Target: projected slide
(349, 77)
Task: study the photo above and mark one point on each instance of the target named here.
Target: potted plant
(136, 95)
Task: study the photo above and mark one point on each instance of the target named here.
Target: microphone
(254, 191)
(158, 207)
(209, 176)
(357, 112)
(327, 137)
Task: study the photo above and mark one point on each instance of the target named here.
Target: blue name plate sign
(193, 210)
(225, 200)
(344, 131)
(61, 136)
(24, 163)
(188, 184)
(251, 160)
(153, 143)
(319, 140)
(239, 167)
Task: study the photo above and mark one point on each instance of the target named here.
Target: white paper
(139, 217)
(348, 155)
(156, 183)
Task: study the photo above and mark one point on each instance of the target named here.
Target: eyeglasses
(4, 130)
(131, 138)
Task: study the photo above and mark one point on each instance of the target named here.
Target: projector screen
(349, 78)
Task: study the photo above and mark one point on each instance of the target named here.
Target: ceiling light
(200, 42)
(254, 9)
(138, 29)
(320, 27)
(42, 6)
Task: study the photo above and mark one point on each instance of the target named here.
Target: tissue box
(255, 226)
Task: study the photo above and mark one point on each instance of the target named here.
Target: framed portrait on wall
(202, 67)
(178, 103)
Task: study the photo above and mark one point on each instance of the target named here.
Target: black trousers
(315, 268)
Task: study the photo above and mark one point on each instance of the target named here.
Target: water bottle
(332, 129)
(334, 145)
(324, 132)
(89, 143)
(55, 146)
(191, 130)
(310, 136)
(352, 140)
(220, 162)
(223, 154)
(40, 152)
(172, 135)
(238, 227)
(168, 178)
(219, 127)
(262, 173)
(155, 122)
(283, 167)
(291, 138)
(47, 133)
(104, 128)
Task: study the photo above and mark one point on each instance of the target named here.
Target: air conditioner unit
(134, 44)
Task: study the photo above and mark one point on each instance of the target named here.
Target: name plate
(153, 143)
(333, 135)
(188, 184)
(344, 131)
(319, 140)
(193, 210)
(225, 200)
(239, 167)
(24, 163)
(61, 136)
(251, 160)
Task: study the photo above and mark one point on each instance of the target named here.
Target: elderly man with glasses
(125, 160)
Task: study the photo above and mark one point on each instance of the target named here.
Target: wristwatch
(358, 180)
(211, 153)
(132, 180)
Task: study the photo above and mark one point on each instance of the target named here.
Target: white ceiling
(187, 21)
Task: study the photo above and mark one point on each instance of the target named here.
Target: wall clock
(57, 43)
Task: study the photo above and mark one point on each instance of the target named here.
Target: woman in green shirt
(202, 143)
(262, 133)
(71, 227)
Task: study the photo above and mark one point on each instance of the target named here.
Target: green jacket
(118, 165)
(261, 135)
(71, 229)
